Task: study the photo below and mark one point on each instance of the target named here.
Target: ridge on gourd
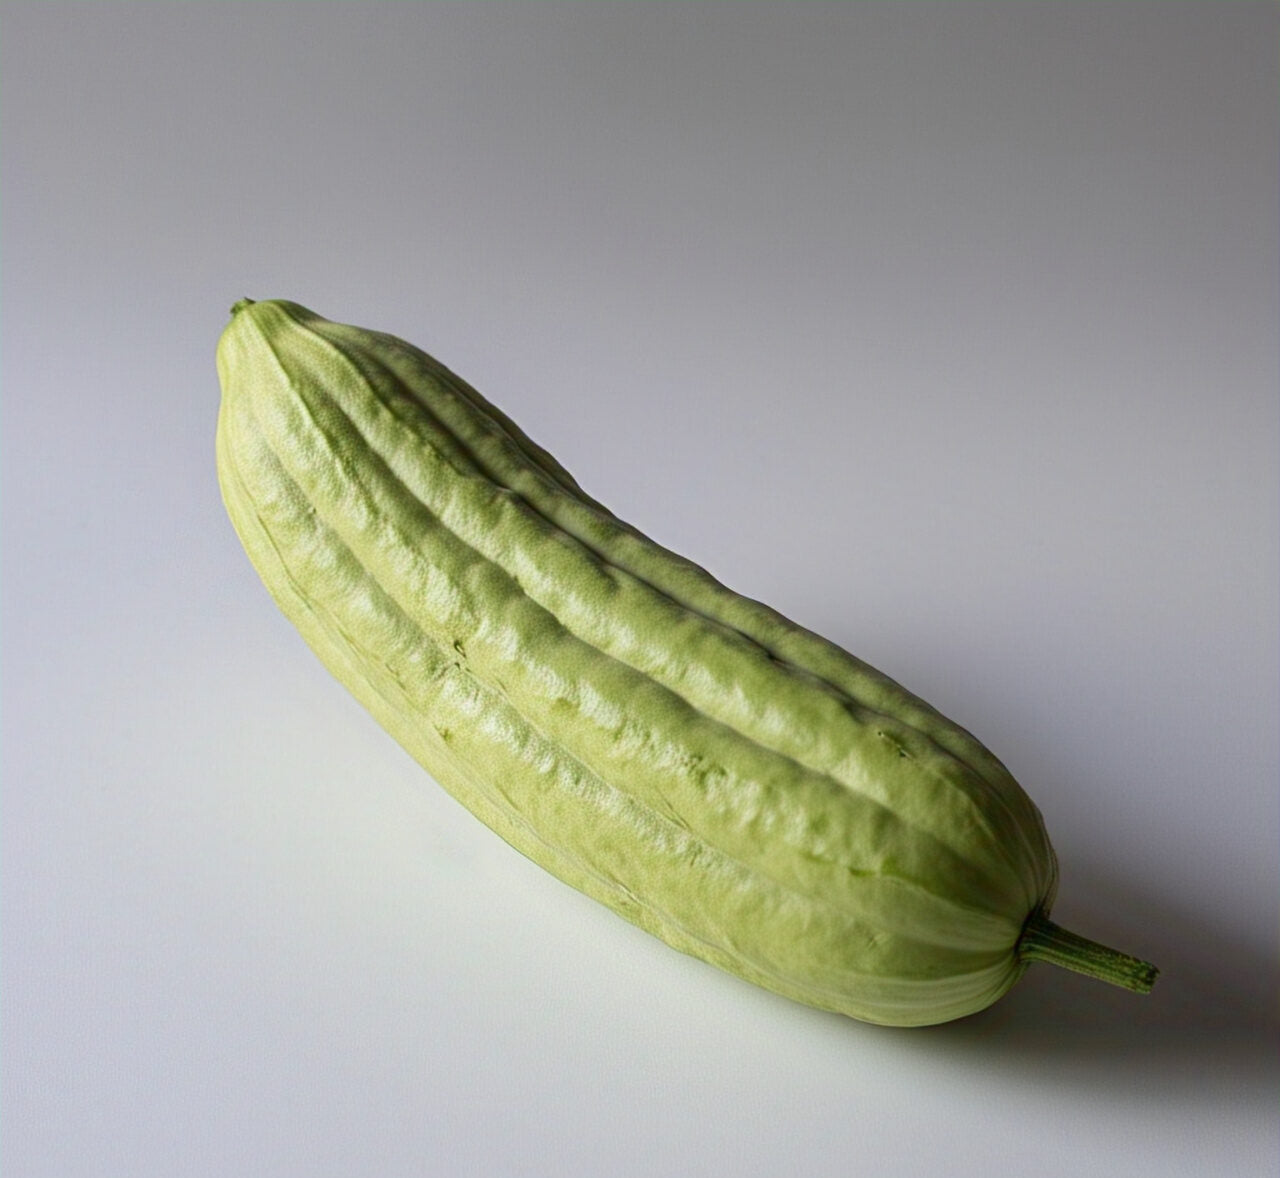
(727, 780)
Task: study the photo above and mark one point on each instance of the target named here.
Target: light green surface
(714, 773)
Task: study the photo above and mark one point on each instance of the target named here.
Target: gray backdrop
(950, 330)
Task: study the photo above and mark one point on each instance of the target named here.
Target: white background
(949, 330)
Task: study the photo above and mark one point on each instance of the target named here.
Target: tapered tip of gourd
(239, 305)
(1042, 940)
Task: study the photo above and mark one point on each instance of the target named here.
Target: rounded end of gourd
(1042, 940)
(239, 305)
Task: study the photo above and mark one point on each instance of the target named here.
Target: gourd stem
(239, 305)
(1042, 940)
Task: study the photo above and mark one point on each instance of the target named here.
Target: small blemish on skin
(883, 735)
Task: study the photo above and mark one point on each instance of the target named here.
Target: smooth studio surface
(950, 331)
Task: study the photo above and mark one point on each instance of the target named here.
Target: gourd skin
(736, 785)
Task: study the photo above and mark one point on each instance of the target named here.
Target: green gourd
(720, 776)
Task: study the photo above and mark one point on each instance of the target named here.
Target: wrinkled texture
(727, 780)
